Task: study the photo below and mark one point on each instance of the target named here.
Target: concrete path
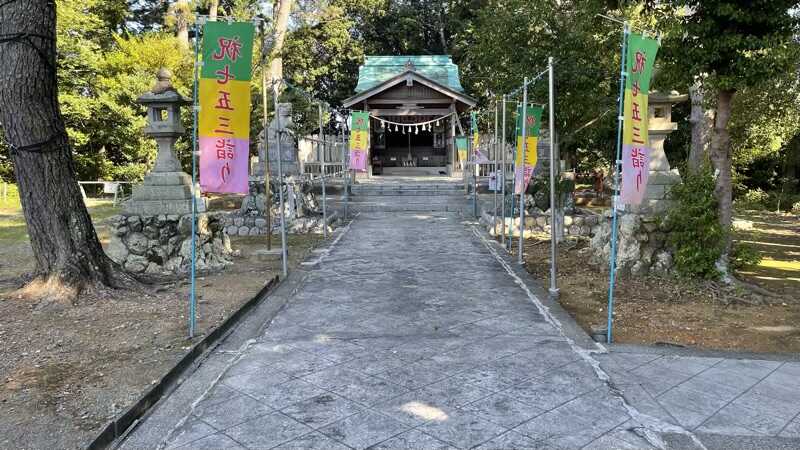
(719, 395)
(409, 334)
(415, 332)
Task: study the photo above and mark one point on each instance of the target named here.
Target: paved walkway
(411, 333)
(711, 395)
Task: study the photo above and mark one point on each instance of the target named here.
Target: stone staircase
(410, 196)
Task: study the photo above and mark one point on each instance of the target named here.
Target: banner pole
(268, 188)
(476, 170)
(510, 242)
(279, 132)
(524, 149)
(615, 198)
(321, 144)
(494, 159)
(346, 168)
(193, 287)
(503, 171)
(553, 243)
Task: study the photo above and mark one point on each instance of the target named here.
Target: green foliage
(738, 43)
(695, 231)
(743, 255)
(753, 199)
(9, 196)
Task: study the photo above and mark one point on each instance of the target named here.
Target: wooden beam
(410, 112)
(390, 101)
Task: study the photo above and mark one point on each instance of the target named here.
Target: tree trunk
(721, 159)
(281, 9)
(65, 247)
(702, 119)
(213, 10)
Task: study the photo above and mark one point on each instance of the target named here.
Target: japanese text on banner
(359, 140)
(477, 154)
(224, 97)
(524, 170)
(639, 62)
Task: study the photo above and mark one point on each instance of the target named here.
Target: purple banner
(358, 160)
(635, 170)
(520, 177)
(223, 165)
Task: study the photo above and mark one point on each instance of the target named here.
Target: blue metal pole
(613, 262)
(192, 294)
(503, 165)
(513, 196)
(522, 191)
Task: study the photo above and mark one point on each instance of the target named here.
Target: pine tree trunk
(65, 247)
(721, 159)
(281, 8)
(702, 120)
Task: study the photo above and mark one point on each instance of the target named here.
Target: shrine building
(414, 103)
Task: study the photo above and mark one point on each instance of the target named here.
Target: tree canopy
(109, 50)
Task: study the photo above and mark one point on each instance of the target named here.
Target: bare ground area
(66, 371)
(692, 313)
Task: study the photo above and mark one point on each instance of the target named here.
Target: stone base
(265, 255)
(159, 244)
(641, 244)
(656, 197)
(164, 193)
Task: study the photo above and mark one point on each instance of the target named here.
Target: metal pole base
(554, 293)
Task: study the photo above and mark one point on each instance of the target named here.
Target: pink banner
(358, 160)
(480, 158)
(223, 165)
(519, 179)
(635, 170)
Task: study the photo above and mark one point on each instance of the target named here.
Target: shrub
(696, 234)
(753, 199)
(743, 255)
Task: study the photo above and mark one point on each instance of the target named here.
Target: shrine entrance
(414, 104)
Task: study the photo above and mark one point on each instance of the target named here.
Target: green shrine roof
(377, 69)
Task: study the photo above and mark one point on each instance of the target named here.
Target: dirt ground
(700, 314)
(66, 371)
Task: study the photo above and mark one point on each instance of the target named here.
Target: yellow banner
(358, 139)
(634, 127)
(531, 151)
(225, 107)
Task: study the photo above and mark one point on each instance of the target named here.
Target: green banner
(638, 70)
(461, 145)
(359, 120)
(227, 50)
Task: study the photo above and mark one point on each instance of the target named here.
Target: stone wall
(641, 244)
(252, 225)
(162, 243)
(579, 223)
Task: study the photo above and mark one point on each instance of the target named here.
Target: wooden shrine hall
(414, 103)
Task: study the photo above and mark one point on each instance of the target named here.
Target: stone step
(417, 193)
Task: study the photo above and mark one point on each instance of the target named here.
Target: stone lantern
(166, 189)
(661, 177)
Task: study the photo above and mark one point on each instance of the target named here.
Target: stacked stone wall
(162, 243)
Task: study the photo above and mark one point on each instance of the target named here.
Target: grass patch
(9, 198)
(13, 228)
